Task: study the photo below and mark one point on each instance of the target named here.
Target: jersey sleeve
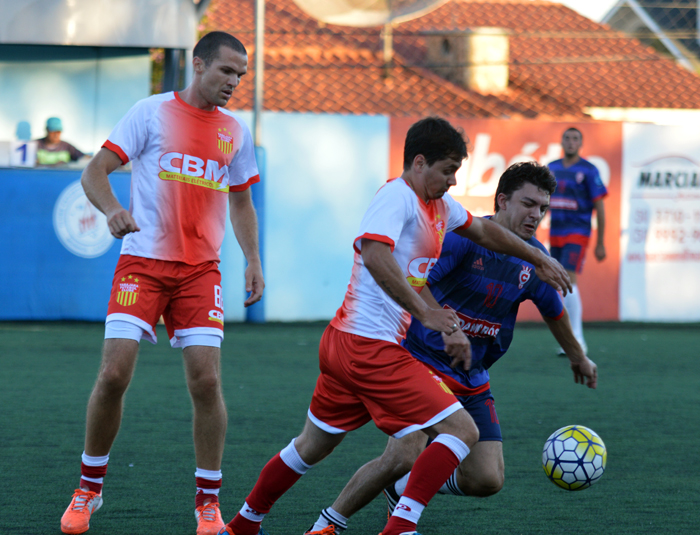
(458, 216)
(595, 186)
(548, 301)
(129, 137)
(454, 249)
(386, 216)
(243, 169)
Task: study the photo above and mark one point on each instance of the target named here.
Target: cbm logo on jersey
(225, 141)
(524, 277)
(418, 271)
(193, 170)
(128, 292)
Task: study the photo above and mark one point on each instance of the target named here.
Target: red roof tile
(560, 62)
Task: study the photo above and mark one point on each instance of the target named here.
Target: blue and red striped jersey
(571, 205)
(485, 289)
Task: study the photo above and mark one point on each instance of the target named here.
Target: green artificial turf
(645, 409)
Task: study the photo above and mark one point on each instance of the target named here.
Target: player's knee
(490, 485)
(113, 380)
(397, 466)
(205, 387)
(486, 483)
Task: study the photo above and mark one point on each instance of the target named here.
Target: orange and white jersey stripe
(184, 162)
(414, 230)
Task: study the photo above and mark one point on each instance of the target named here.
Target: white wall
(89, 88)
(322, 172)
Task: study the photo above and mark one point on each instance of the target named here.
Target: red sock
(275, 479)
(430, 471)
(92, 472)
(207, 490)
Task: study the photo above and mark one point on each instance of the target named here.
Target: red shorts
(188, 297)
(364, 379)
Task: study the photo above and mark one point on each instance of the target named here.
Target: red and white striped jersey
(184, 162)
(414, 230)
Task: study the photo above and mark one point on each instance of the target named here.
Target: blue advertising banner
(58, 256)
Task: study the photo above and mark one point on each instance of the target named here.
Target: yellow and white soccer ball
(574, 457)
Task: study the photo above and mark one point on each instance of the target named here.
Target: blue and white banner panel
(58, 255)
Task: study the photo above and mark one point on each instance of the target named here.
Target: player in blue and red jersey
(485, 290)
(579, 192)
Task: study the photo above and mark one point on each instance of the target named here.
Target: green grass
(645, 409)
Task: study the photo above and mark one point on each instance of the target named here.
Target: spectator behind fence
(51, 150)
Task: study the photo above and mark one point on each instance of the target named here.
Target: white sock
(290, 456)
(330, 516)
(409, 509)
(400, 485)
(572, 302)
(451, 486)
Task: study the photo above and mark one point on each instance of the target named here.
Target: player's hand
(121, 223)
(458, 347)
(585, 372)
(600, 252)
(444, 320)
(254, 284)
(553, 273)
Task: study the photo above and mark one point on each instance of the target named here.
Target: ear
(198, 65)
(419, 162)
(502, 199)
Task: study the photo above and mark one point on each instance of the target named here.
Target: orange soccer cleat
(209, 521)
(76, 519)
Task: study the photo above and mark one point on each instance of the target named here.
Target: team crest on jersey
(225, 141)
(579, 177)
(524, 277)
(440, 228)
(439, 381)
(128, 292)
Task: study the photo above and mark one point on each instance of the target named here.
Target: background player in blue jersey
(485, 290)
(579, 192)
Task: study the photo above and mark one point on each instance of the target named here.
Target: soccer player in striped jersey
(190, 159)
(484, 289)
(579, 192)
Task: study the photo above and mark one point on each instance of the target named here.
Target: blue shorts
(570, 251)
(482, 409)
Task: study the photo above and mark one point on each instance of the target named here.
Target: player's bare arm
(457, 345)
(386, 272)
(95, 182)
(245, 226)
(496, 238)
(599, 207)
(585, 370)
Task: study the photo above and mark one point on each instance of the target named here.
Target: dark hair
(573, 129)
(435, 139)
(519, 173)
(207, 49)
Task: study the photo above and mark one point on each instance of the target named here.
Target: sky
(593, 9)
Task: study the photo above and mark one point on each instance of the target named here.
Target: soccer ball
(574, 457)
